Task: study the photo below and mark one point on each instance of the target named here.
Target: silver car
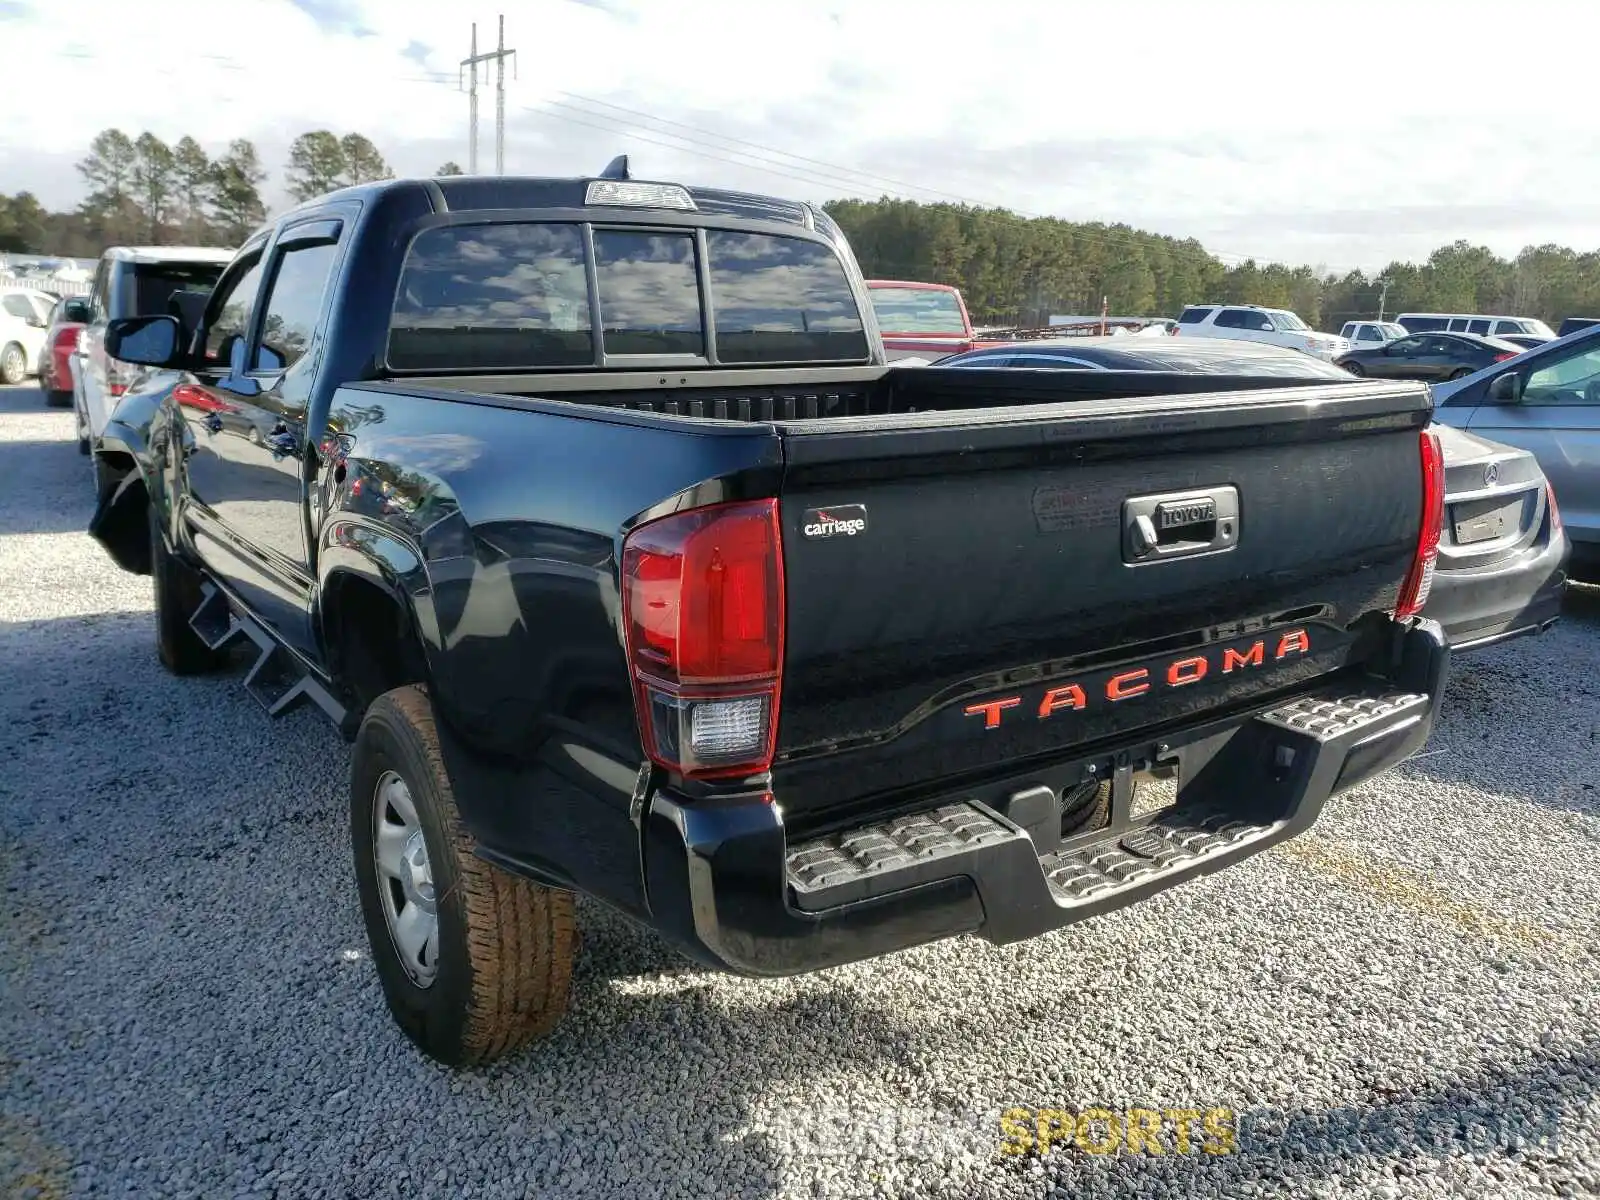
(1547, 401)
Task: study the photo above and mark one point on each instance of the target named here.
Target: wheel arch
(374, 635)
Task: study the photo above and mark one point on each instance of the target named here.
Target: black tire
(1459, 373)
(1085, 807)
(13, 363)
(177, 595)
(503, 958)
(1354, 368)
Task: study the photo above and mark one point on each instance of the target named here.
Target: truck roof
(161, 254)
(458, 193)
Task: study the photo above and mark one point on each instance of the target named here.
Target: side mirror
(1505, 389)
(146, 341)
(76, 310)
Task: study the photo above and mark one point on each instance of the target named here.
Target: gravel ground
(1402, 1003)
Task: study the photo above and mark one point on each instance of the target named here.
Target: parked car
(712, 614)
(132, 281)
(1478, 323)
(1196, 356)
(1363, 335)
(67, 318)
(1429, 356)
(923, 320)
(1251, 323)
(1548, 402)
(1573, 324)
(24, 315)
(1502, 555)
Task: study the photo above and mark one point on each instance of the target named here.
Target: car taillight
(63, 336)
(1503, 355)
(702, 613)
(1419, 581)
(1555, 513)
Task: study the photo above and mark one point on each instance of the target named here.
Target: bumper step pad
(1266, 784)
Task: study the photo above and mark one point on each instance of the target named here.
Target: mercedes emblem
(1491, 474)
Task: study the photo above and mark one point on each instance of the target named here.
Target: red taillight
(1419, 582)
(1555, 513)
(65, 335)
(1503, 355)
(702, 612)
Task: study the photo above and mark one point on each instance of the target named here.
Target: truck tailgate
(967, 593)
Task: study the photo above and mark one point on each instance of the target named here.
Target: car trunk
(1495, 501)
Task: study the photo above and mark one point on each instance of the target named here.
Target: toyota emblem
(1491, 474)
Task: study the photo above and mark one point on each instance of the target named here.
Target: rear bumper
(1480, 607)
(725, 881)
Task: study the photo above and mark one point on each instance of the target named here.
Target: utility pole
(1383, 297)
(499, 55)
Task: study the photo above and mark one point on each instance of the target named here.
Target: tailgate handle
(1179, 524)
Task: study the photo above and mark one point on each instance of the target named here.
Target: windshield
(917, 310)
(1287, 320)
(1391, 330)
(1537, 328)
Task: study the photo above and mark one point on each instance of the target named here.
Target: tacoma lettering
(1134, 682)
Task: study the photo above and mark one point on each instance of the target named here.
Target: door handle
(1179, 524)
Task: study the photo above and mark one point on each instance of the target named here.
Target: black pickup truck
(590, 511)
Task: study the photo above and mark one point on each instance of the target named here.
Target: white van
(1487, 325)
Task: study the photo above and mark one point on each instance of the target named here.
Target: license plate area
(1474, 521)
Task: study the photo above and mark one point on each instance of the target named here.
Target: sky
(1339, 135)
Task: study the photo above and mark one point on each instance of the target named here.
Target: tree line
(1011, 269)
(141, 190)
(1015, 270)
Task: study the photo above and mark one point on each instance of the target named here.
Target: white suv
(1250, 323)
(1364, 335)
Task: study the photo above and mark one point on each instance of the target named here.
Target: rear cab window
(515, 296)
(154, 283)
(1195, 314)
(917, 310)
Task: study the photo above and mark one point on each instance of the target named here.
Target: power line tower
(470, 67)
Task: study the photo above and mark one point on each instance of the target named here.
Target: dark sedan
(1192, 356)
(1430, 356)
(1502, 552)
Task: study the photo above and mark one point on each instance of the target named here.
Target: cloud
(335, 16)
(1189, 119)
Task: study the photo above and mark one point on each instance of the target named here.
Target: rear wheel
(474, 962)
(1354, 368)
(177, 596)
(13, 364)
(1460, 373)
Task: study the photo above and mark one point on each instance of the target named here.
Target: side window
(1508, 327)
(1479, 327)
(1259, 321)
(1573, 379)
(1231, 318)
(1193, 316)
(649, 293)
(16, 305)
(294, 302)
(228, 315)
(1348, 331)
(1444, 346)
(1406, 345)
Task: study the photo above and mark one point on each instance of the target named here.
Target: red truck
(922, 320)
